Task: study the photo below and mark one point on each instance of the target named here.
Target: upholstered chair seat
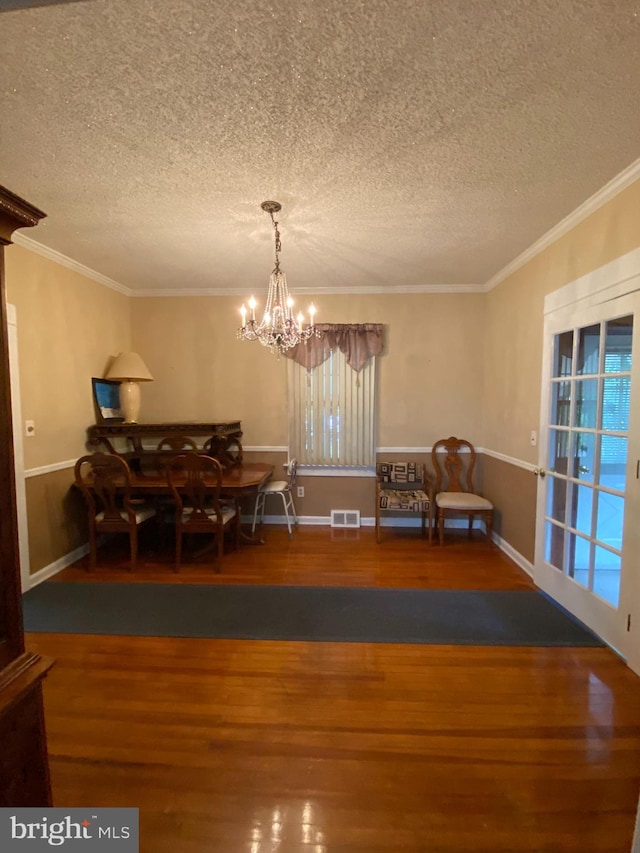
(402, 487)
(141, 512)
(462, 501)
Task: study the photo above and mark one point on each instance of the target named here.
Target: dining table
(238, 481)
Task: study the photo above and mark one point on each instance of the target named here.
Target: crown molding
(615, 186)
(317, 291)
(63, 260)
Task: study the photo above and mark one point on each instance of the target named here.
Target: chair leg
(470, 530)
(93, 547)
(178, 548)
(292, 507)
(220, 538)
(441, 526)
(258, 507)
(286, 512)
(489, 525)
(378, 537)
(237, 524)
(133, 536)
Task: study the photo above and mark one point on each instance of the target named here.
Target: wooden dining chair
(225, 451)
(195, 483)
(176, 443)
(104, 480)
(455, 492)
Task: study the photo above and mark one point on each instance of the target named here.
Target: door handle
(540, 472)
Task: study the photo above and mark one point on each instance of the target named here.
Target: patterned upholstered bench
(404, 487)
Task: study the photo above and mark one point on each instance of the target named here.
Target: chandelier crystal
(278, 329)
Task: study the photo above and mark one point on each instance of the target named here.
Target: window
(332, 412)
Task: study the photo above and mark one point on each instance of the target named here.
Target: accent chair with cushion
(454, 461)
(104, 480)
(404, 487)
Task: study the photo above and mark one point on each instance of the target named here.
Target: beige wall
(431, 371)
(68, 328)
(513, 350)
(514, 319)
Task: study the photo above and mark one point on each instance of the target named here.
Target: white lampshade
(129, 369)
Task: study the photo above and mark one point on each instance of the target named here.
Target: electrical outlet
(533, 438)
(300, 491)
(29, 428)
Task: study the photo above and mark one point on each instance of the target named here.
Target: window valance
(358, 341)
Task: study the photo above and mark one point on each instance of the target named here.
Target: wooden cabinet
(24, 769)
(220, 439)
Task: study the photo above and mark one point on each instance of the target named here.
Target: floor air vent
(345, 518)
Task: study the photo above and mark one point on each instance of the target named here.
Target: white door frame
(18, 448)
(614, 280)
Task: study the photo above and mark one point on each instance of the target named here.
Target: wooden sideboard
(220, 439)
(24, 764)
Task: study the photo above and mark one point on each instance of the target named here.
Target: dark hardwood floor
(275, 747)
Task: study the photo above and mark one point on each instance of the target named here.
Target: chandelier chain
(276, 269)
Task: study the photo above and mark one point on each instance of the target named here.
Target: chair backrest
(177, 443)
(398, 475)
(195, 481)
(292, 472)
(452, 474)
(226, 453)
(105, 481)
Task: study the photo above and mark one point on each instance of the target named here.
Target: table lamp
(129, 369)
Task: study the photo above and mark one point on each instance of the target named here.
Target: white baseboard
(516, 556)
(57, 566)
(320, 520)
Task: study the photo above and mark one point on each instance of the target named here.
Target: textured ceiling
(410, 143)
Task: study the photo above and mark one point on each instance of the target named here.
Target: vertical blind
(332, 412)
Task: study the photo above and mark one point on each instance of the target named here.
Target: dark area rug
(502, 618)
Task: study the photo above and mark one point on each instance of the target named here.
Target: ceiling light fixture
(278, 330)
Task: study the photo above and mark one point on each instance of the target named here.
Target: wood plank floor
(276, 747)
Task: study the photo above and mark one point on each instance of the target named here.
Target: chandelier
(278, 330)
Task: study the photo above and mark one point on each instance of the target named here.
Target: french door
(589, 466)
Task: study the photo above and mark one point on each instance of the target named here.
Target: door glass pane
(610, 518)
(606, 575)
(581, 509)
(579, 549)
(613, 462)
(554, 542)
(615, 403)
(560, 403)
(556, 498)
(583, 462)
(586, 401)
(617, 352)
(558, 450)
(563, 354)
(588, 350)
